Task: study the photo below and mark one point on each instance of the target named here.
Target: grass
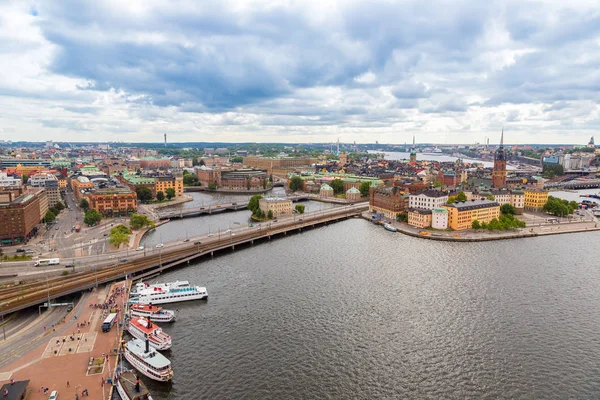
(16, 258)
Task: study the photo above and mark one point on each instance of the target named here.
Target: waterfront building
(243, 179)
(514, 197)
(207, 176)
(428, 199)
(213, 161)
(49, 182)
(419, 217)
(499, 172)
(19, 215)
(326, 190)
(113, 201)
(133, 181)
(462, 214)
(353, 194)
(277, 205)
(6, 180)
(164, 182)
(439, 218)
(279, 166)
(535, 198)
(390, 201)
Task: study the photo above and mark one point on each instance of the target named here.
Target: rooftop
(473, 204)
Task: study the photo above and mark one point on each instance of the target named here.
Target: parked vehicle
(140, 248)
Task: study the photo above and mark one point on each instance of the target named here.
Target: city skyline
(299, 73)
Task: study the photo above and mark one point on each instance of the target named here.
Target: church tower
(413, 153)
(499, 174)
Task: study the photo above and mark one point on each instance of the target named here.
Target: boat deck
(127, 380)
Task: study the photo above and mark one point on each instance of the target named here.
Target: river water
(351, 311)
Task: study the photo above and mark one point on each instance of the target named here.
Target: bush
(50, 217)
(295, 183)
(160, 196)
(137, 221)
(300, 208)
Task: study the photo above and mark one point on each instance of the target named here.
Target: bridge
(213, 209)
(21, 296)
(575, 184)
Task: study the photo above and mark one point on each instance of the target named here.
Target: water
(201, 199)
(574, 195)
(398, 155)
(351, 311)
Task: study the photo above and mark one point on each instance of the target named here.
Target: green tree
(476, 225)
(494, 225)
(461, 196)
(451, 200)
(138, 221)
(490, 197)
(295, 183)
(253, 203)
(212, 186)
(170, 193)
(300, 208)
(364, 188)
(50, 217)
(270, 214)
(337, 185)
(507, 209)
(189, 179)
(84, 204)
(144, 194)
(236, 159)
(59, 206)
(119, 235)
(437, 184)
(573, 205)
(25, 178)
(549, 171)
(54, 210)
(271, 178)
(160, 196)
(92, 217)
(402, 217)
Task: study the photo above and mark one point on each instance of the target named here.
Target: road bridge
(575, 184)
(22, 296)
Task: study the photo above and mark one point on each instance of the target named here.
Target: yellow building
(462, 214)
(535, 198)
(62, 183)
(165, 182)
(278, 206)
(421, 218)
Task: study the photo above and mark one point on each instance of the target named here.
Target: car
(227, 231)
(57, 228)
(140, 248)
(69, 265)
(218, 206)
(53, 395)
(210, 235)
(29, 251)
(234, 204)
(232, 234)
(186, 240)
(198, 242)
(20, 250)
(300, 219)
(274, 220)
(158, 246)
(123, 260)
(106, 234)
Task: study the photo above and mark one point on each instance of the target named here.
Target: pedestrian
(68, 385)
(102, 382)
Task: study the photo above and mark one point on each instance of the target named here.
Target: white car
(210, 235)
(53, 395)
(158, 246)
(140, 248)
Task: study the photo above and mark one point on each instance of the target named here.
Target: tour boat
(169, 295)
(143, 329)
(141, 286)
(152, 312)
(148, 361)
(390, 228)
(130, 387)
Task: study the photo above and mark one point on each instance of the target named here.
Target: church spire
(413, 140)
(502, 138)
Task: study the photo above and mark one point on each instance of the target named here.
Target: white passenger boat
(148, 361)
(130, 387)
(169, 295)
(152, 312)
(390, 228)
(141, 286)
(143, 329)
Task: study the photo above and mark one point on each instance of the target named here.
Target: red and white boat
(148, 361)
(143, 329)
(152, 312)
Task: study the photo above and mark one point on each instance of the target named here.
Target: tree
(451, 200)
(270, 214)
(160, 196)
(364, 188)
(170, 193)
(295, 183)
(84, 204)
(507, 209)
(189, 179)
(402, 217)
(300, 208)
(144, 194)
(476, 225)
(494, 225)
(212, 186)
(437, 184)
(59, 206)
(54, 210)
(461, 196)
(271, 178)
(137, 221)
(556, 206)
(253, 203)
(337, 185)
(119, 235)
(50, 217)
(92, 217)
(573, 205)
(25, 178)
(551, 170)
(490, 197)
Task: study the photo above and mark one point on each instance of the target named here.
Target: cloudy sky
(300, 71)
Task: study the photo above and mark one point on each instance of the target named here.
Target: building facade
(19, 215)
(113, 201)
(428, 200)
(535, 198)
(279, 165)
(49, 182)
(353, 194)
(499, 172)
(419, 217)
(278, 206)
(439, 218)
(6, 180)
(326, 190)
(390, 201)
(462, 214)
(164, 182)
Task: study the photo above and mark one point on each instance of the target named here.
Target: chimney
(147, 344)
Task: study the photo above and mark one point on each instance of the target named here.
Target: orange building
(80, 185)
(113, 201)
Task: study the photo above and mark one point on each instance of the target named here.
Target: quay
(18, 297)
(70, 356)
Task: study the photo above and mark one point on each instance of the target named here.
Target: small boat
(143, 329)
(152, 312)
(159, 295)
(130, 387)
(390, 228)
(148, 361)
(141, 286)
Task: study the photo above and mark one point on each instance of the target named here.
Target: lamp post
(2, 314)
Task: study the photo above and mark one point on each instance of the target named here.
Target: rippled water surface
(351, 311)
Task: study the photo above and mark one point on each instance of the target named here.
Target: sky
(300, 71)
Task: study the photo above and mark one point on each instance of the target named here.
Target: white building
(6, 180)
(428, 200)
(439, 218)
(48, 182)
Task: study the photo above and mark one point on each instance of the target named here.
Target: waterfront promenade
(62, 353)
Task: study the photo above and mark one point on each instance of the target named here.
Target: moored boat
(148, 361)
(143, 329)
(390, 228)
(152, 312)
(130, 387)
(169, 295)
(141, 286)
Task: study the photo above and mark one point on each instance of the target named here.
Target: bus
(49, 261)
(109, 322)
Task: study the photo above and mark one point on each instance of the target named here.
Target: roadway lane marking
(54, 346)
(70, 346)
(87, 346)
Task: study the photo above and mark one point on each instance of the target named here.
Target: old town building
(428, 200)
(389, 201)
(19, 214)
(499, 172)
(419, 217)
(278, 206)
(535, 198)
(113, 201)
(353, 194)
(439, 218)
(326, 190)
(462, 214)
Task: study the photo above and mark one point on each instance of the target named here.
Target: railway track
(22, 296)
